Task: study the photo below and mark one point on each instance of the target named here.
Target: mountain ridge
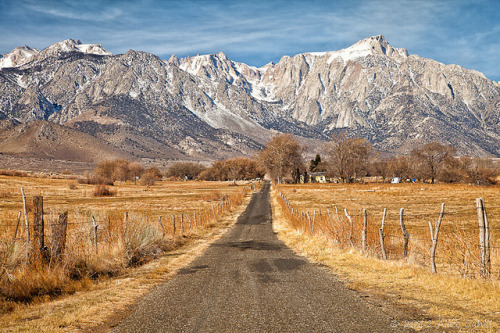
(209, 106)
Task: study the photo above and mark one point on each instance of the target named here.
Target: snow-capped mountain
(22, 55)
(17, 57)
(211, 106)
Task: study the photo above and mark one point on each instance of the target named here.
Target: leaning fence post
(381, 234)
(434, 238)
(313, 221)
(309, 222)
(483, 238)
(94, 230)
(187, 216)
(363, 234)
(17, 226)
(182, 224)
(195, 223)
(352, 226)
(26, 218)
(161, 226)
(406, 236)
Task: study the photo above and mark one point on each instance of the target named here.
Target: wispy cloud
(451, 31)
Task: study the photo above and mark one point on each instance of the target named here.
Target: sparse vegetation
(123, 240)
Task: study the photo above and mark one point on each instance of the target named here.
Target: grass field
(458, 243)
(404, 289)
(134, 226)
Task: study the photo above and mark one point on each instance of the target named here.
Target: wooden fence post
(406, 236)
(313, 221)
(182, 224)
(173, 222)
(161, 226)
(195, 223)
(38, 229)
(94, 231)
(351, 224)
(483, 238)
(381, 234)
(363, 234)
(434, 238)
(26, 218)
(187, 216)
(17, 226)
(59, 237)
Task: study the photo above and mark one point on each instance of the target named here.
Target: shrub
(103, 191)
(95, 180)
(13, 173)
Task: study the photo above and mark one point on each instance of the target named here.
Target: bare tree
(237, 168)
(380, 167)
(185, 170)
(282, 156)
(118, 169)
(431, 157)
(348, 157)
(399, 166)
(480, 170)
(136, 170)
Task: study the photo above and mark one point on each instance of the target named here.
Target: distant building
(314, 177)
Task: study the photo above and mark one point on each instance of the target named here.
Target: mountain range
(57, 102)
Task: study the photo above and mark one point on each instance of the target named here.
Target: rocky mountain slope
(211, 107)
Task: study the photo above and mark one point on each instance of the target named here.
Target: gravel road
(249, 281)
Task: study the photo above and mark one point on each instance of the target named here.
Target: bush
(95, 180)
(103, 191)
(13, 173)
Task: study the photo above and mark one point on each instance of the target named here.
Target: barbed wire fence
(53, 238)
(459, 241)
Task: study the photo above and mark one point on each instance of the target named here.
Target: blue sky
(256, 32)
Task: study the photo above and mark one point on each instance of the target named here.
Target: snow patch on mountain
(17, 57)
(71, 45)
(376, 45)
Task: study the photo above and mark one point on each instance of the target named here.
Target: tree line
(345, 159)
(352, 159)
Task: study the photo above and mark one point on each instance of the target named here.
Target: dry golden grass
(124, 240)
(101, 305)
(445, 301)
(458, 245)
